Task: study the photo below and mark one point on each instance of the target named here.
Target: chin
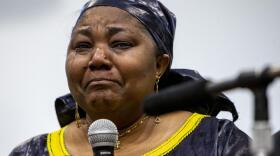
(103, 102)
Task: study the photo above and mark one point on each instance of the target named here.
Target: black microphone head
(102, 132)
(182, 96)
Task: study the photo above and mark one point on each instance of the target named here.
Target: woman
(118, 53)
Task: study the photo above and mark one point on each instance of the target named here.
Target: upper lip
(101, 79)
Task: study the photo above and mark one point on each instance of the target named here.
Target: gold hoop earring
(77, 116)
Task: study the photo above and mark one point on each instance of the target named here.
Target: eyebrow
(114, 30)
(86, 30)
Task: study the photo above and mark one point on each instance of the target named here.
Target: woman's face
(111, 63)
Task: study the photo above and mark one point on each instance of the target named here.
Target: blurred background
(217, 38)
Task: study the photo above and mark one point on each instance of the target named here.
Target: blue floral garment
(212, 137)
(34, 146)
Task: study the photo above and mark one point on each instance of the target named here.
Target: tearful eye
(83, 48)
(121, 45)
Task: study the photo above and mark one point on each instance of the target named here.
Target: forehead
(104, 16)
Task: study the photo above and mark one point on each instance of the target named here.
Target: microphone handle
(103, 151)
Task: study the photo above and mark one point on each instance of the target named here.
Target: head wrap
(156, 18)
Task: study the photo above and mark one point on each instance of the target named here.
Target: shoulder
(224, 128)
(232, 141)
(214, 136)
(34, 146)
(225, 135)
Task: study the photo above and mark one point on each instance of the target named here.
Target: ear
(162, 63)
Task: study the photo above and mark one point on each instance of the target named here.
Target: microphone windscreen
(102, 132)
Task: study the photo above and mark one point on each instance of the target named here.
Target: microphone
(184, 95)
(178, 97)
(103, 136)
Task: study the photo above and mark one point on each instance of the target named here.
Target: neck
(134, 126)
(120, 119)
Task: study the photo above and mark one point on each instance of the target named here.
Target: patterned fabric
(214, 138)
(36, 146)
(210, 137)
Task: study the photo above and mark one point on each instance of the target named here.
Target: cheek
(75, 67)
(139, 73)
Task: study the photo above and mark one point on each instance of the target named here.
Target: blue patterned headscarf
(157, 19)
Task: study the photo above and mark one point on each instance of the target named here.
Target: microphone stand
(257, 83)
(262, 141)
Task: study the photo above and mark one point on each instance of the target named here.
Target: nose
(99, 60)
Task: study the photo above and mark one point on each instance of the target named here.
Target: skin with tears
(111, 65)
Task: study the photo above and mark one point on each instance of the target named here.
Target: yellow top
(56, 146)
(55, 143)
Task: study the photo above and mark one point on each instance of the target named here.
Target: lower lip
(100, 85)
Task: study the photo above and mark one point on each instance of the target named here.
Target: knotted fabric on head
(157, 19)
